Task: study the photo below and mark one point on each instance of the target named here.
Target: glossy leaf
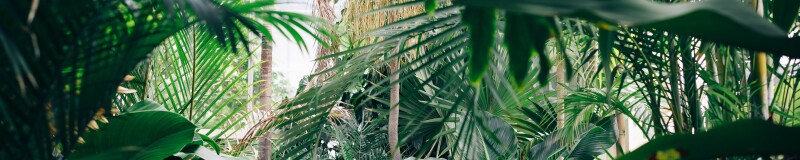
(152, 134)
(698, 19)
(734, 139)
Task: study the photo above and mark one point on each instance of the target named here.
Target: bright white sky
(287, 57)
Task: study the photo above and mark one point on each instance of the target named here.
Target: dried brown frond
(360, 23)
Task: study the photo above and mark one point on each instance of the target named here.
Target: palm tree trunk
(265, 143)
(394, 113)
(622, 133)
(759, 108)
(324, 10)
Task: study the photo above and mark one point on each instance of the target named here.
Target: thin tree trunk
(759, 108)
(560, 93)
(265, 99)
(250, 79)
(394, 114)
(622, 134)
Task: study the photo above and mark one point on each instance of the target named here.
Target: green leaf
(481, 24)
(742, 26)
(606, 46)
(430, 6)
(784, 13)
(146, 135)
(594, 142)
(210, 142)
(590, 141)
(734, 139)
(492, 138)
(527, 35)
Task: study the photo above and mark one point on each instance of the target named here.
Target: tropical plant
(454, 79)
(639, 54)
(68, 58)
(146, 131)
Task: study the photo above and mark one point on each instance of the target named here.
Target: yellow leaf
(128, 78)
(124, 90)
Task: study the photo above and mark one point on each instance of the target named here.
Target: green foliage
(138, 135)
(481, 24)
(430, 6)
(358, 140)
(591, 141)
(740, 138)
(528, 35)
(491, 138)
(784, 13)
(68, 58)
(201, 82)
(464, 95)
(699, 19)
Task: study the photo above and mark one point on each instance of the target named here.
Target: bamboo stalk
(759, 108)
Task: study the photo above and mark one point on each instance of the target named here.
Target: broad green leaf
(481, 24)
(734, 139)
(714, 20)
(147, 135)
(527, 35)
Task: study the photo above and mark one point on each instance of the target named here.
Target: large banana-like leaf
(698, 19)
(139, 135)
(734, 139)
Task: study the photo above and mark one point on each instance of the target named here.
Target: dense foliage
(450, 79)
